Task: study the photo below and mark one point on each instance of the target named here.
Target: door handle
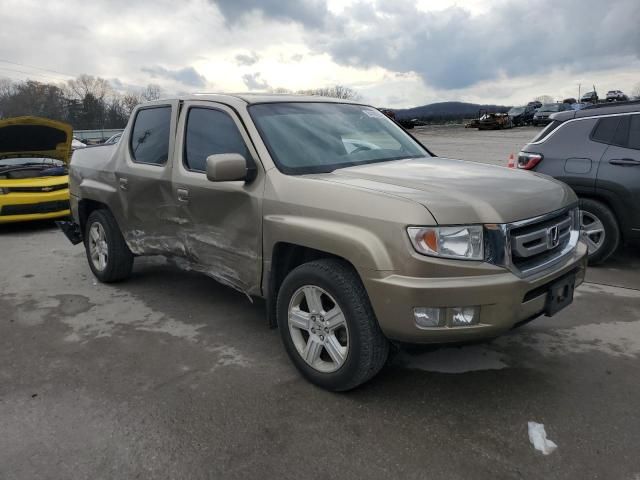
(625, 162)
(183, 195)
(123, 183)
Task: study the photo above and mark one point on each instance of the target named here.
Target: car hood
(35, 137)
(461, 192)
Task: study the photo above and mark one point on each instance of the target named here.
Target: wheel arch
(85, 207)
(285, 257)
(611, 205)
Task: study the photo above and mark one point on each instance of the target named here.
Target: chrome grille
(531, 247)
(537, 244)
(46, 189)
(540, 238)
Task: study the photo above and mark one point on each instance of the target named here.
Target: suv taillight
(528, 161)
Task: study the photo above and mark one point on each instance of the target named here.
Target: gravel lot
(489, 146)
(171, 375)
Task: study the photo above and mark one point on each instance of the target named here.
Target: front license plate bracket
(560, 295)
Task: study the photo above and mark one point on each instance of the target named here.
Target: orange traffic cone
(512, 161)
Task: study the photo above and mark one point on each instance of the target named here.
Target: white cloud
(396, 54)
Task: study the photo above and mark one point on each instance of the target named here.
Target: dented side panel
(146, 195)
(219, 224)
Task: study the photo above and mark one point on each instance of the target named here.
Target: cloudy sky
(395, 53)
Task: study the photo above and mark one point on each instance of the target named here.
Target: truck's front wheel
(109, 256)
(328, 326)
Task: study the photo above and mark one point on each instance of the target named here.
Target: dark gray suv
(596, 151)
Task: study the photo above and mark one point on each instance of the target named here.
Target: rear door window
(634, 132)
(605, 130)
(149, 140)
(210, 132)
(622, 132)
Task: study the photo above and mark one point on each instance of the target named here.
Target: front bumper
(23, 207)
(504, 299)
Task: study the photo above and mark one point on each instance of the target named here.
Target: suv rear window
(150, 136)
(605, 130)
(546, 131)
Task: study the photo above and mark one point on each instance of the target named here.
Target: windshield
(516, 110)
(554, 107)
(321, 137)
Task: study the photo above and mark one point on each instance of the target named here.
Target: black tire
(368, 348)
(119, 259)
(611, 229)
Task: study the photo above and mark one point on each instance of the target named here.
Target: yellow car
(34, 156)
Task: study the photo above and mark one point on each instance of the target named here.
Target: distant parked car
(113, 139)
(406, 124)
(521, 115)
(596, 151)
(541, 117)
(569, 100)
(589, 97)
(34, 182)
(75, 143)
(534, 104)
(494, 121)
(579, 106)
(616, 96)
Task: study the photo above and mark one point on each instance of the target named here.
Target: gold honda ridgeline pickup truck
(357, 236)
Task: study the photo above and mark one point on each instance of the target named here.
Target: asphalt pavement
(171, 375)
(485, 146)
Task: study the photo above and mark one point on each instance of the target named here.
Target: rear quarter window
(149, 140)
(546, 131)
(605, 130)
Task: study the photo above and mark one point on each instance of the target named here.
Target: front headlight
(464, 242)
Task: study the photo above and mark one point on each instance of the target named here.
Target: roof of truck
(252, 98)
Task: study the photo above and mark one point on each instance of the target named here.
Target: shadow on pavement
(27, 228)
(621, 270)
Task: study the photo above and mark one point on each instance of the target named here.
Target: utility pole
(579, 87)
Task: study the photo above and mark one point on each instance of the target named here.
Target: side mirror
(226, 167)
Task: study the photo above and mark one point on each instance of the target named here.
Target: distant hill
(446, 111)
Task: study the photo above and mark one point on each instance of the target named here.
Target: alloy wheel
(98, 248)
(593, 231)
(318, 329)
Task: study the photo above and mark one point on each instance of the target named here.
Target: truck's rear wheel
(328, 326)
(109, 256)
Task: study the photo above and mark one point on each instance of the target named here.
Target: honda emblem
(553, 237)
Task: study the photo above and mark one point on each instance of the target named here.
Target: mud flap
(71, 230)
